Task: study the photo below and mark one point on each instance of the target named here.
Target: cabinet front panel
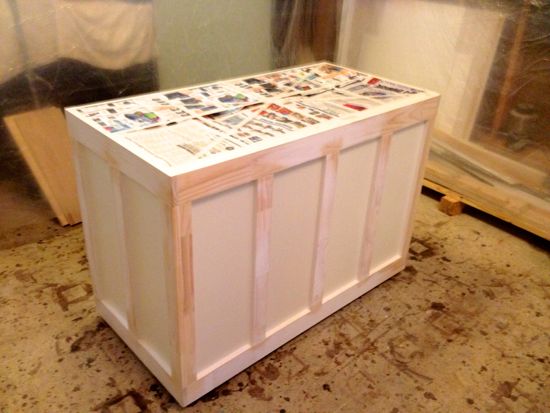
(223, 266)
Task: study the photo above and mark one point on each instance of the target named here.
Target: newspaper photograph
(134, 114)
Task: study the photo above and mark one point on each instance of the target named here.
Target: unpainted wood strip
(519, 211)
(323, 228)
(186, 296)
(175, 294)
(219, 177)
(375, 199)
(264, 200)
(184, 371)
(420, 169)
(123, 247)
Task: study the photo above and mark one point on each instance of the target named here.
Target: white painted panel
(353, 185)
(296, 196)
(223, 252)
(100, 205)
(398, 195)
(146, 226)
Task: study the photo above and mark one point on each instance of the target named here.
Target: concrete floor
(465, 328)
(25, 216)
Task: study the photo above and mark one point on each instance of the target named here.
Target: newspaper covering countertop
(198, 122)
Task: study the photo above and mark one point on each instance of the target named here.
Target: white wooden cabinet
(204, 267)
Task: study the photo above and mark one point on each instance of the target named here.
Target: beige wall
(206, 40)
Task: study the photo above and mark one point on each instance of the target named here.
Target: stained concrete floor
(465, 328)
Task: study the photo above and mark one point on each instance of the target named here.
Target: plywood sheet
(42, 138)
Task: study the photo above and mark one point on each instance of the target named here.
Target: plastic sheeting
(105, 34)
(490, 60)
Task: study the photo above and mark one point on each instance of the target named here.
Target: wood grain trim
(185, 305)
(375, 199)
(219, 177)
(323, 227)
(123, 247)
(421, 166)
(264, 200)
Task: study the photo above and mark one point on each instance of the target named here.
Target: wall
(201, 41)
(443, 46)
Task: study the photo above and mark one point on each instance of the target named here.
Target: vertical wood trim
(172, 259)
(323, 223)
(375, 199)
(123, 248)
(175, 293)
(264, 200)
(185, 293)
(421, 165)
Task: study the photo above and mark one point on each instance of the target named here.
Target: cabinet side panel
(223, 261)
(100, 204)
(146, 227)
(353, 187)
(296, 196)
(400, 187)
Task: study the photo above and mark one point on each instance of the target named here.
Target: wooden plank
(174, 288)
(375, 199)
(327, 202)
(492, 200)
(185, 307)
(122, 245)
(42, 138)
(421, 167)
(175, 293)
(264, 199)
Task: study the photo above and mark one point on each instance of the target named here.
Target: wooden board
(488, 199)
(42, 138)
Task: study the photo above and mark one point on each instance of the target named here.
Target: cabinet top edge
(184, 129)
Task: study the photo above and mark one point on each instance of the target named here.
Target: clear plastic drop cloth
(489, 60)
